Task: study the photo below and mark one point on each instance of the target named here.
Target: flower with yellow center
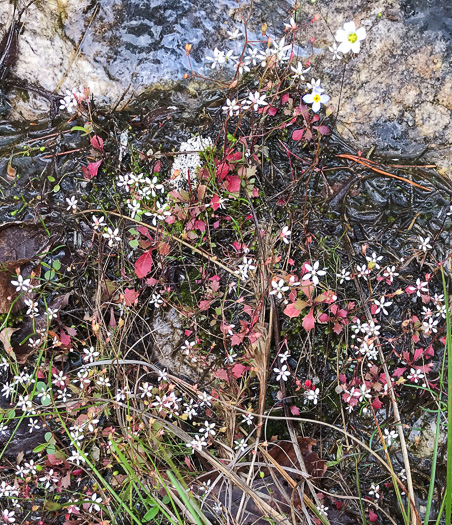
(350, 38)
(316, 97)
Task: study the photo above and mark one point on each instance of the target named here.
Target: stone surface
(397, 93)
(422, 437)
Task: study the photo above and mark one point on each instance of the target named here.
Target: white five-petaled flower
(316, 99)
(233, 35)
(240, 445)
(8, 516)
(415, 375)
(163, 376)
(373, 261)
(232, 107)
(350, 38)
(278, 288)
(381, 305)
(218, 58)
(343, 276)
(134, 207)
(248, 419)
(255, 100)
(95, 500)
(424, 244)
(112, 236)
(390, 436)
(390, 273)
(313, 273)
(312, 395)
(90, 354)
(282, 373)
(314, 85)
(284, 356)
(299, 71)
(285, 234)
(98, 222)
(322, 510)
(198, 442)
(22, 285)
(72, 203)
(208, 429)
(336, 54)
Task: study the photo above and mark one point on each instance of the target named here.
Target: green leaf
(56, 265)
(150, 514)
(51, 179)
(46, 401)
(166, 499)
(48, 436)
(41, 386)
(56, 188)
(133, 243)
(51, 449)
(40, 447)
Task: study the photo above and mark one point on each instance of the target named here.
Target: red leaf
(200, 225)
(215, 202)
(377, 404)
(294, 410)
(204, 305)
(238, 370)
(337, 328)
(222, 170)
(372, 516)
(157, 166)
(273, 111)
(291, 311)
(97, 143)
(233, 184)
(324, 130)
(399, 372)
(64, 338)
(143, 265)
(91, 170)
(309, 321)
(130, 296)
(298, 134)
(222, 374)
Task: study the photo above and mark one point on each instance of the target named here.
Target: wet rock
(422, 437)
(22, 440)
(397, 93)
(114, 46)
(168, 337)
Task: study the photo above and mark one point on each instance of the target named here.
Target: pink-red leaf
(143, 265)
(97, 143)
(233, 184)
(309, 320)
(297, 134)
(91, 170)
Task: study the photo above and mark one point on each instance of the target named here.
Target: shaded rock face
(397, 93)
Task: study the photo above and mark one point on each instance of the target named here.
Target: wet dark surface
(430, 15)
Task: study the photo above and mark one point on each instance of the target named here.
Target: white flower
(284, 357)
(363, 271)
(76, 457)
(98, 222)
(350, 38)
(390, 273)
(336, 54)
(291, 26)
(124, 180)
(198, 442)
(299, 71)
(293, 281)
(343, 276)
(240, 445)
(33, 425)
(21, 471)
(49, 478)
(390, 436)
(72, 202)
(52, 313)
(283, 373)
(21, 284)
(24, 403)
(153, 186)
(34, 343)
(90, 354)
(156, 300)
(312, 395)
(322, 510)
(103, 381)
(121, 394)
(112, 236)
(252, 57)
(186, 348)
(280, 50)
(31, 467)
(233, 35)
(146, 389)
(163, 376)
(381, 305)
(95, 501)
(232, 107)
(255, 100)
(218, 58)
(424, 244)
(415, 375)
(374, 260)
(248, 419)
(316, 99)
(134, 207)
(285, 234)
(242, 65)
(208, 428)
(59, 379)
(8, 516)
(374, 491)
(246, 267)
(314, 85)
(32, 307)
(64, 395)
(205, 399)
(278, 288)
(230, 56)
(313, 273)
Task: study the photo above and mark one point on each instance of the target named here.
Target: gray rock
(422, 437)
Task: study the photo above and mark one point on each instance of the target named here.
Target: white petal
(316, 107)
(309, 98)
(349, 27)
(340, 35)
(356, 46)
(324, 99)
(344, 47)
(361, 33)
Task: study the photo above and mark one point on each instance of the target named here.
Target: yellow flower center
(316, 98)
(352, 37)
